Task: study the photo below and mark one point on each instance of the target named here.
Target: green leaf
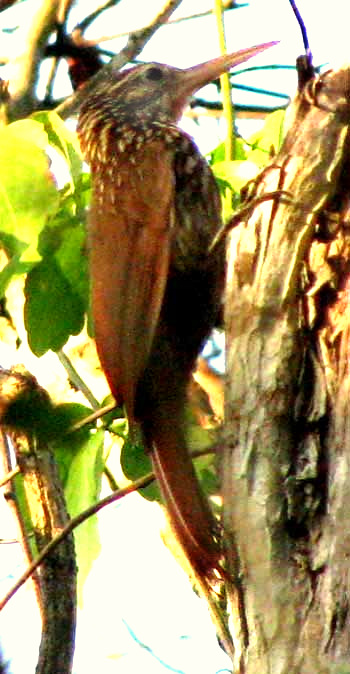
(267, 141)
(28, 194)
(29, 131)
(115, 420)
(22, 504)
(199, 438)
(135, 464)
(15, 267)
(53, 310)
(64, 238)
(235, 173)
(63, 140)
(219, 153)
(65, 444)
(82, 490)
(73, 262)
(209, 481)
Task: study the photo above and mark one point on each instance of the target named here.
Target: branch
(88, 20)
(5, 4)
(57, 579)
(15, 471)
(76, 379)
(180, 19)
(63, 10)
(73, 524)
(97, 414)
(277, 407)
(143, 482)
(135, 44)
(24, 68)
(41, 512)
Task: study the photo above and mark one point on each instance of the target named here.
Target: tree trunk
(287, 461)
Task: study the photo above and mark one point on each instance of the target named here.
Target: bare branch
(143, 482)
(9, 476)
(63, 10)
(79, 519)
(25, 67)
(76, 379)
(133, 48)
(88, 20)
(5, 4)
(40, 511)
(12, 501)
(93, 417)
(179, 19)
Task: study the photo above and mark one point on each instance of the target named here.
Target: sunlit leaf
(82, 490)
(28, 194)
(28, 130)
(63, 140)
(219, 153)
(267, 141)
(235, 173)
(15, 267)
(67, 444)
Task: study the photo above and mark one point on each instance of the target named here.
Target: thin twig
(9, 476)
(11, 497)
(88, 20)
(113, 485)
(133, 48)
(25, 66)
(226, 98)
(76, 379)
(141, 483)
(63, 11)
(92, 417)
(51, 79)
(79, 519)
(170, 22)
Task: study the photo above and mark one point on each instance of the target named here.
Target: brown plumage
(156, 291)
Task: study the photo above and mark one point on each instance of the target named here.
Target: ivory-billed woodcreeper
(156, 291)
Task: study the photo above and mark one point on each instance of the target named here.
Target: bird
(156, 289)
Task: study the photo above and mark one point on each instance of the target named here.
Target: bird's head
(155, 91)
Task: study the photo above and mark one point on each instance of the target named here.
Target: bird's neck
(124, 135)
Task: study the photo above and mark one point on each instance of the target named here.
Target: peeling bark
(286, 467)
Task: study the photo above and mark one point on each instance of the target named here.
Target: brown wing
(130, 238)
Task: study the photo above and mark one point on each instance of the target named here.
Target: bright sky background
(151, 594)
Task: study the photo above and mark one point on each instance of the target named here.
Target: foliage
(250, 156)
(42, 232)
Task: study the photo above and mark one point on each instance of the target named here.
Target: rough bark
(24, 408)
(287, 462)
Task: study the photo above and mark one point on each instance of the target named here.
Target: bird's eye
(154, 74)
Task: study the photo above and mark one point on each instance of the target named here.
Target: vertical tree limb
(25, 67)
(276, 514)
(24, 411)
